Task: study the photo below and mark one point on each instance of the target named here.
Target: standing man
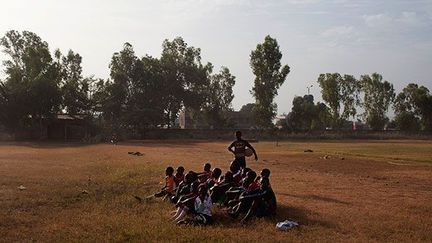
(238, 148)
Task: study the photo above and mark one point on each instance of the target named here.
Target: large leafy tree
(145, 107)
(349, 92)
(413, 107)
(303, 112)
(330, 87)
(139, 92)
(378, 95)
(323, 117)
(32, 84)
(116, 91)
(219, 98)
(126, 72)
(186, 79)
(407, 121)
(306, 115)
(340, 92)
(265, 62)
(98, 96)
(75, 89)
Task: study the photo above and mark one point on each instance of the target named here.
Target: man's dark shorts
(241, 161)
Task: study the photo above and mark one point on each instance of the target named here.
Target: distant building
(279, 120)
(182, 119)
(187, 122)
(66, 127)
(58, 127)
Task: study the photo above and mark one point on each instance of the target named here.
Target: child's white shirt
(203, 207)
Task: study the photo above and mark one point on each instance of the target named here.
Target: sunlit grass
(408, 151)
(86, 194)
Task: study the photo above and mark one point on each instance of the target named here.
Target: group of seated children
(239, 190)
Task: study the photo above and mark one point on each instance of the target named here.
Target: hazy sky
(392, 37)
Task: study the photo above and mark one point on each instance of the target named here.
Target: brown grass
(380, 191)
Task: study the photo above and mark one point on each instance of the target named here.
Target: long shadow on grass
(316, 197)
(299, 214)
(302, 215)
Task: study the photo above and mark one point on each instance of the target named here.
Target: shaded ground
(343, 191)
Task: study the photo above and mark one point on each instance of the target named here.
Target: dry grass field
(365, 191)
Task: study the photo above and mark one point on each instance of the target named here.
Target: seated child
(202, 209)
(265, 173)
(203, 205)
(179, 176)
(217, 192)
(235, 169)
(243, 175)
(185, 187)
(214, 179)
(168, 189)
(248, 185)
(254, 185)
(260, 204)
(206, 174)
(185, 203)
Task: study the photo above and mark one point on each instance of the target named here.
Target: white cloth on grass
(286, 225)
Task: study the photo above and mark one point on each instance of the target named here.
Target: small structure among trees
(67, 127)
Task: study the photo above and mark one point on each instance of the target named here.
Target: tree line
(345, 95)
(149, 92)
(141, 92)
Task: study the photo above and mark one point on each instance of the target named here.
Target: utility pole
(308, 88)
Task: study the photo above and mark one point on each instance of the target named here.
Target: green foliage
(322, 117)
(38, 86)
(32, 84)
(146, 104)
(75, 89)
(123, 67)
(413, 107)
(219, 98)
(133, 98)
(378, 95)
(186, 79)
(265, 62)
(349, 90)
(150, 92)
(407, 121)
(340, 91)
(305, 115)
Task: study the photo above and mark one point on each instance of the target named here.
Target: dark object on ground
(139, 199)
(136, 153)
(308, 151)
